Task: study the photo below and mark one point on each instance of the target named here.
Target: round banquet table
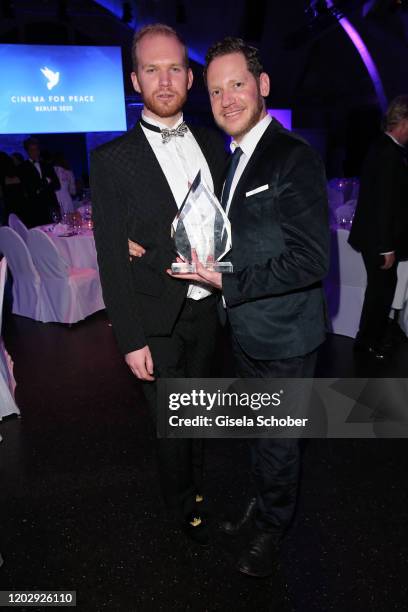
(78, 251)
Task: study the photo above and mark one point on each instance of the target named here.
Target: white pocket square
(257, 190)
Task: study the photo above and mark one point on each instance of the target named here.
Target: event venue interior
(80, 501)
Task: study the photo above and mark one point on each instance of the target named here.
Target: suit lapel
(144, 157)
(213, 160)
(256, 156)
(204, 144)
(34, 172)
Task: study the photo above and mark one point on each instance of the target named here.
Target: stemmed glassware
(56, 218)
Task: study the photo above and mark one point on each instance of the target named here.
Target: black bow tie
(166, 133)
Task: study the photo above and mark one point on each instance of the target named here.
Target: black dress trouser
(275, 462)
(187, 353)
(378, 299)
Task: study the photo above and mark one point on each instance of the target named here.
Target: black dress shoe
(259, 559)
(234, 528)
(377, 353)
(196, 529)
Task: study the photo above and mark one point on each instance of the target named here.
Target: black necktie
(166, 133)
(230, 175)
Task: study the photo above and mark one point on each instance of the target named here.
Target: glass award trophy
(201, 224)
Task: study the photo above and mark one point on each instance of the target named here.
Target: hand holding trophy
(201, 225)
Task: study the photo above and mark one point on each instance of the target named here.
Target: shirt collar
(395, 140)
(161, 125)
(251, 139)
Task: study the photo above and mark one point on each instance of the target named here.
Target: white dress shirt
(180, 159)
(37, 166)
(395, 140)
(248, 146)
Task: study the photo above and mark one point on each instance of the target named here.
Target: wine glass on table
(56, 218)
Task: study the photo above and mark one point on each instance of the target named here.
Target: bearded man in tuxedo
(164, 327)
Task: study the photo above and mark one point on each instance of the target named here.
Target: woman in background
(67, 180)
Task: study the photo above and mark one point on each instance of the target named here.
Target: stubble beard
(253, 119)
(165, 109)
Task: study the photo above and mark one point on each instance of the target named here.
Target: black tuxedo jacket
(380, 223)
(131, 198)
(280, 249)
(39, 192)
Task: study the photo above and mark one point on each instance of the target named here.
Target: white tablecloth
(346, 283)
(78, 251)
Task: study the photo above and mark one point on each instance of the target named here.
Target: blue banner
(56, 89)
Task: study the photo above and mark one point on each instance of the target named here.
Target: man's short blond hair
(156, 28)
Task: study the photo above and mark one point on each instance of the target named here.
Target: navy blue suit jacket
(280, 249)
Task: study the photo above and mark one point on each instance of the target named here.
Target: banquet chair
(69, 294)
(400, 301)
(345, 286)
(26, 280)
(3, 276)
(18, 226)
(7, 381)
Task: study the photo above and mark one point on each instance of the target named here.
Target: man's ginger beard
(162, 108)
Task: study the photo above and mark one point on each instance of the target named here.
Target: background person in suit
(39, 183)
(380, 226)
(164, 327)
(275, 197)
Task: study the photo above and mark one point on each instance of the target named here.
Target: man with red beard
(164, 327)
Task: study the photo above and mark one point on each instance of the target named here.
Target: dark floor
(81, 509)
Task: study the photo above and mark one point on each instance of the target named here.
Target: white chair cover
(3, 275)
(345, 286)
(403, 320)
(26, 281)
(18, 226)
(7, 381)
(401, 292)
(401, 295)
(68, 294)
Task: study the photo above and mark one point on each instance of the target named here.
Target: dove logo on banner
(49, 89)
(52, 77)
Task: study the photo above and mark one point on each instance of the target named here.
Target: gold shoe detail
(199, 498)
(196, 521)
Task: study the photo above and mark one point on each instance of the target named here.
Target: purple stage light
(365, 56)
(283, 115)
